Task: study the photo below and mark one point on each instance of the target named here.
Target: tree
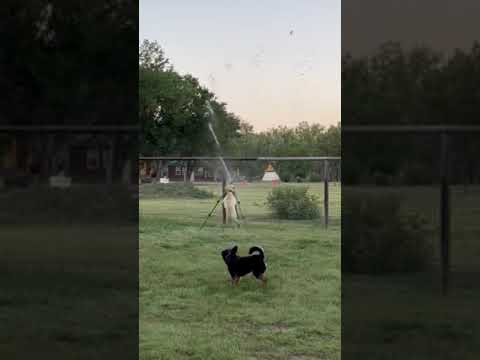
(67, 63)
(401, 87)
(151, 56)
(172, 113)
(304, 140)
(47, 68)
(173, 110)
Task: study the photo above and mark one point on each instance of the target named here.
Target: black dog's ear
(234, 250)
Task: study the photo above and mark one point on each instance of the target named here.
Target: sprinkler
(211, 114)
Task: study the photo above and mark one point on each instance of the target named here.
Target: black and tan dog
(239, 266)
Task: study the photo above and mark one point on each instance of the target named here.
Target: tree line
(174, 118)
(174, 121)
(419, 86)
(172, 109)
(66, 63)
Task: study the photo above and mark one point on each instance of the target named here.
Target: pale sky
(274, 62)
(442, 25)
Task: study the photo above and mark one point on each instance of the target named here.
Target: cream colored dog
(230, 204)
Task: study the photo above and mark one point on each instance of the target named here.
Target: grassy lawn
(68, 291)
(397, 312)
(188, 309)
(393, 313)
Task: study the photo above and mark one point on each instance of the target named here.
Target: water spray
(229, 180)
(210, 127)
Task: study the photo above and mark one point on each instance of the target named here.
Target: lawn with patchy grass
(68, 265)
(68, 291)
(408, 311)
(189, 310)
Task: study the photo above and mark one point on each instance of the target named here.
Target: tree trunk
(159, 171)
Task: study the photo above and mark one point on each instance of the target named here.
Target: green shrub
(316, 178)
(417, 174)
(377, 238)
(173, 190)
(293, 203)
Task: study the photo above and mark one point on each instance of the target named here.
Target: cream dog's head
(230, 188)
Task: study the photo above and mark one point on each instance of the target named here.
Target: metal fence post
(325, 191)
(339, 174)
(445, 213)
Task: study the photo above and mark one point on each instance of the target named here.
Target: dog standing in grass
(230, 204)
(239, 266)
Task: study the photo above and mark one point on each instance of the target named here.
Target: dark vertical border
(410, 135)
(68, 180)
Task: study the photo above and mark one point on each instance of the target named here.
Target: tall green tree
(173, 109)
(62, 62)
(408, 87)
(151, 56)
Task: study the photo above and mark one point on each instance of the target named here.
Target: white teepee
(270, 174)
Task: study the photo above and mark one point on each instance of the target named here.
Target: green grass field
(408, 311)
(189, 310)
(68, 291)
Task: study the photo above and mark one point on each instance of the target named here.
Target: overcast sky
(442, 25)
(274, 62)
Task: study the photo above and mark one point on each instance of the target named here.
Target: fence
(322, 174)
(91, 154)
(436, 169)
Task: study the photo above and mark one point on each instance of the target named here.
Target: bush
(316, 178)
(173, 190)
(293, 203)
(377, 238)
(418, 174)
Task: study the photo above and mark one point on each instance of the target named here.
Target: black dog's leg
(233, 277)
(262, 278)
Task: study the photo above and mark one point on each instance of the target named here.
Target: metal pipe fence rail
(258, 158)
(44, 142)
(330, 176)
(446, 135)
(52, 129)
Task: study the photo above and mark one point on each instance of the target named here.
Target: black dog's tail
(258, 250)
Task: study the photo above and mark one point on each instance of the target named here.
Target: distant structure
(270, 174)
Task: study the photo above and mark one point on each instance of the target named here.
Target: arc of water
(227, 172)
(210, 127)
